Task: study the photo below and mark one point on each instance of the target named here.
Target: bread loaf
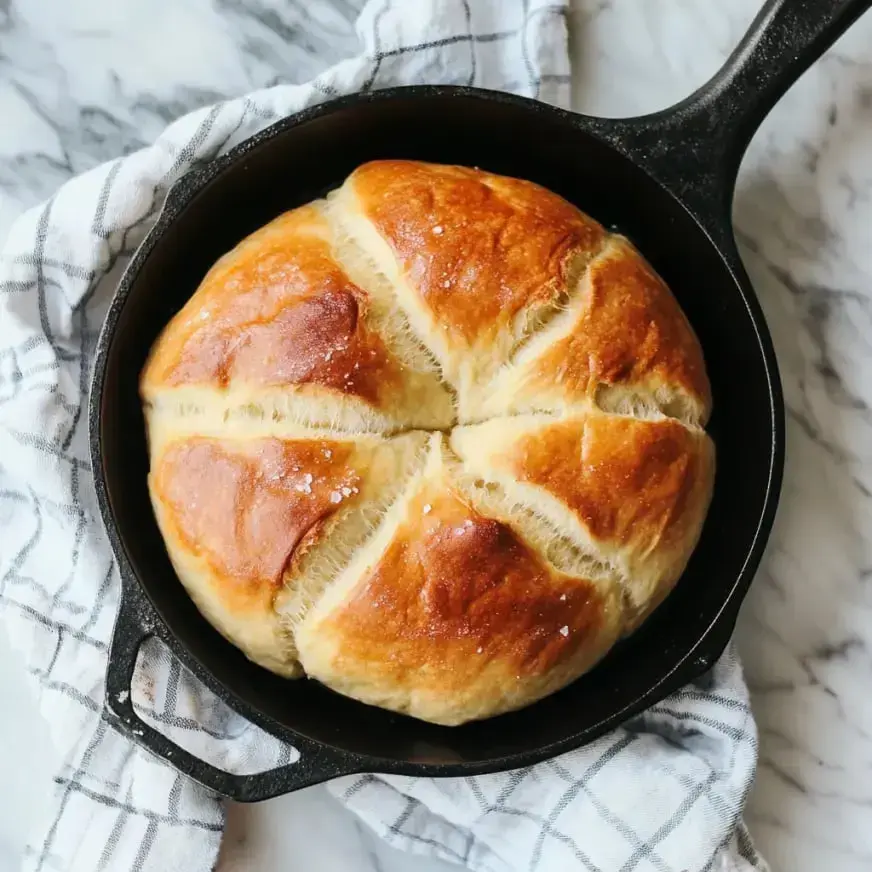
(436, 441)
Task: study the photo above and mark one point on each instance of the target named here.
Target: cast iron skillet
(666, 180)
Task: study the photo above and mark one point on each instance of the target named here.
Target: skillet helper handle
(137, 621)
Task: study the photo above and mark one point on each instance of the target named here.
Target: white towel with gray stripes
(662, 794)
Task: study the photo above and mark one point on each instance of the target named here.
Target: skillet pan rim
(711, 640)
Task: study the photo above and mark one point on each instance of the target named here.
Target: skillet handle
(783, 41)
(696, 146)
(137, 621)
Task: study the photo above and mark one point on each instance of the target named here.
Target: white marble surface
(81, 81)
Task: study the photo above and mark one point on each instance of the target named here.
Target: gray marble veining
(83, 82)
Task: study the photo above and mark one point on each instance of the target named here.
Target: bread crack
(576, 273)
(392, 313)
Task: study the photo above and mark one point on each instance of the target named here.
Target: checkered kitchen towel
(663, 793)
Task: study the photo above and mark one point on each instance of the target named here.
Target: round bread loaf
(436, 441)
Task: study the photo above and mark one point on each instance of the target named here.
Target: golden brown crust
(312, 523)
(313, 340)
(245, 508)
(627, 330)
(632, 494)
(460, 616)
(280, 312)
(626, 480)
(479, 248)
(456, 582)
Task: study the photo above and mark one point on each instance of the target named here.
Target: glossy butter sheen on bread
(436, 441)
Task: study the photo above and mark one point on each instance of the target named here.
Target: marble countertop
(81, 82)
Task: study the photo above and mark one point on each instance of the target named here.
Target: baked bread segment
(249, 520)
(476, 260)
(278, 325)
(630, 493)
(621, 342)
(451, 614)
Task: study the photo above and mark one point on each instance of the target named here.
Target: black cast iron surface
(666, 181)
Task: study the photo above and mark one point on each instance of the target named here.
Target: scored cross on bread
(436, 441)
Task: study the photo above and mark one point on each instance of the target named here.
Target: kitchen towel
(664, 793)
